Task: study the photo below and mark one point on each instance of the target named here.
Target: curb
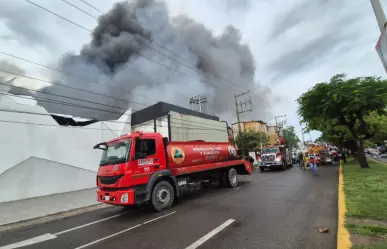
(49, 218)
(343, 241)
(378, 161)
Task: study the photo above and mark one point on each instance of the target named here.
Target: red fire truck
(275, 157)
(146, 168)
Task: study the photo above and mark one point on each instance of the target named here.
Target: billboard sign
(381, 48)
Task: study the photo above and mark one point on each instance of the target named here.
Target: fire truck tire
(163, 196)
(283, 166)
(262, 169)
(223, 178)
(232, 178)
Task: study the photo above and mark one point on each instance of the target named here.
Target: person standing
(313, 163)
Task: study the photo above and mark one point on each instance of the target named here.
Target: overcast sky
(296, 43)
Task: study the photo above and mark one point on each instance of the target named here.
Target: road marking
(209, 235)
(123, 231)
(49, 236)
(88, 224)
(31, 241)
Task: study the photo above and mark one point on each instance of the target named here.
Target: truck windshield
(116, 152)
(270, 150)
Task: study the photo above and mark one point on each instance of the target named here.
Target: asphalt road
(274, 209)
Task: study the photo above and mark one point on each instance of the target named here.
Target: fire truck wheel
(283, 166)
(163, 196)
(232, 178)
(223, 179)
(262, 169)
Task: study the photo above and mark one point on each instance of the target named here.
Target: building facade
(258, 126)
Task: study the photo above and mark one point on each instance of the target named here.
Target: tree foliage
(290, 136)
(344, 105)
(251, 140)
(378, 125)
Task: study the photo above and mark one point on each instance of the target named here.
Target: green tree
(251, 140)
(378, 124)
(345, 102)
(291, 137)
(333, 133)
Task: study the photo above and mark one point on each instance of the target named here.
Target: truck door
(145, 158)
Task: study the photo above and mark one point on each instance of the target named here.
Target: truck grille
(268, 158)
(109, 179)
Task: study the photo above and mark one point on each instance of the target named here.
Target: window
(145, 147)
(116, 152)
(270, 150)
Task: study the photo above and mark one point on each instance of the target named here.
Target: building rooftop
(251, 121)
(161, 109)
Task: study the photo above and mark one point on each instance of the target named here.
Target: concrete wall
(39, 157)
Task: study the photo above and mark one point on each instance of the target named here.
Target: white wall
(43, 158)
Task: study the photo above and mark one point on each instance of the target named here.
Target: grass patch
(366, 190)
(374, 246)
(374, 231)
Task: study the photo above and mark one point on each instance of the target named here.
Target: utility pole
(241, 107)
(199, 102)
(280, 124)
(379, 14)
(302, 131)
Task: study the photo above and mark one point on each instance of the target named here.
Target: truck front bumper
(270, 164)
(118, 197)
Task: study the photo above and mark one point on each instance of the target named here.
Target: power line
(106, 14)
(111, 121)
(67, 86)
(114, 121)
(90, 31)
(80, 26)
(51, 82)
(88, 107)
(73, 75)
(62, 103)
(91, 6)
(72, 127)
(71, 97)
(131, 37)
(62, 96)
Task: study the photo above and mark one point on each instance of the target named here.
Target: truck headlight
(124, 198)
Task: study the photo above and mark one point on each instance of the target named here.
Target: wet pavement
(273, 209)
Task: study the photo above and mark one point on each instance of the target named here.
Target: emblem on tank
(177, 155)
(231, 150)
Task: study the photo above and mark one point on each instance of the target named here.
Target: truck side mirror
(101, 146)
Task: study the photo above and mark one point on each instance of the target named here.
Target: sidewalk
(27, 209)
